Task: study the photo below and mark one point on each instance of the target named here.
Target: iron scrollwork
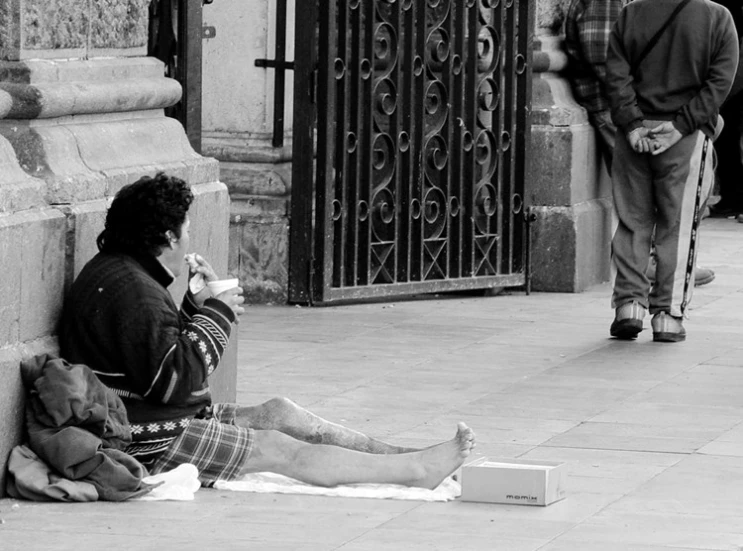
(425, 183)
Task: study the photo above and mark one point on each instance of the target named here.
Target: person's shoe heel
(667, 328)
(626, 329)
(628, 321)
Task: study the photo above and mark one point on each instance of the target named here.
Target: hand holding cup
(229, 292)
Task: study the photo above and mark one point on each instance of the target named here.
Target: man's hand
(664, 136)
(234, 299)
(199, 273)
(639, 140)
(198, 265)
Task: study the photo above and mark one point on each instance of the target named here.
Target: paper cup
(220, 286)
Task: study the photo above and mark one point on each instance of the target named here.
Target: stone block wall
(569, 189)
(259, 228)
(72, 28)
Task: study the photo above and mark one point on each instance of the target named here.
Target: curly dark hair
(142, 212)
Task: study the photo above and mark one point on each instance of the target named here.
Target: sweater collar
(155, 268)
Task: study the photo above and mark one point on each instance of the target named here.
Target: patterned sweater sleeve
(177, 351)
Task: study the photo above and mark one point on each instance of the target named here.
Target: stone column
(570, 189)
(81, 115)
(237, 121)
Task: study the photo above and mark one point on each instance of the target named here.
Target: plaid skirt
(213, 443)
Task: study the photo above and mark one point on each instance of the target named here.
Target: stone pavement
(652, 433)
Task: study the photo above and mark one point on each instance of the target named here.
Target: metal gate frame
(311, 259)
(175, 38)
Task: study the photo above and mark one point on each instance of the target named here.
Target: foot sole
(704, 280)
(669, 337)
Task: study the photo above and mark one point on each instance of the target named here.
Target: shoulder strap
(653, 41)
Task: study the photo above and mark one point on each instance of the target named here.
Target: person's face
(179, 247)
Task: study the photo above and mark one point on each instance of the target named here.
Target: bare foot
(441, 460)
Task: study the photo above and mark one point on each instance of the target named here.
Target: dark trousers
(657, 195)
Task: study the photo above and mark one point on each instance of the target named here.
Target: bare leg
(324, 465)
(283, 415)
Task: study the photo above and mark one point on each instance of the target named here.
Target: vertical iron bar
(407, 96)
(504, 181)
(470, 95)
(419, 121)
(368, 141)
(303, 189)
(341, 176)
(365, 144)
(189, 68)
(326, 135)
(446, 176)
(457, 152)
(513, 152)
(526, 25)
(355, 123)
(394, 133)
(279, 75)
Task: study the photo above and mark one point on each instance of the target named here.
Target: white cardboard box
(514, 481)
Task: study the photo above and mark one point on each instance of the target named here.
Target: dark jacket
(79, 428)
(120, 319)
(685, 78)
(736, 10)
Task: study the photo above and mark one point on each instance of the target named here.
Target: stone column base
(569, 246)
(571, 236)
(569, 189)
(259, 228)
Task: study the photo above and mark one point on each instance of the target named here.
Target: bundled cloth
(77, 433)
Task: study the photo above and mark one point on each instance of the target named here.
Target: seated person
(120, 320)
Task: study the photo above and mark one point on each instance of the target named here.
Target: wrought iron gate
(419, 114)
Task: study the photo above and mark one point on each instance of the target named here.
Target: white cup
(220, 286)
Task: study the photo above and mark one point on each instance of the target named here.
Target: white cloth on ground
(179, 484)
(266, 483)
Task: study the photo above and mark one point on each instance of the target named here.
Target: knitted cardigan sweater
(120, 320)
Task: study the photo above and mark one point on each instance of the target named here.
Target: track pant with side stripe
(658, 193)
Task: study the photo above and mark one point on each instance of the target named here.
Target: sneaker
(702, 276)
(627, 321)
(740, 218)
(667, 328)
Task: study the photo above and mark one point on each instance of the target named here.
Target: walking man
(670, 66)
